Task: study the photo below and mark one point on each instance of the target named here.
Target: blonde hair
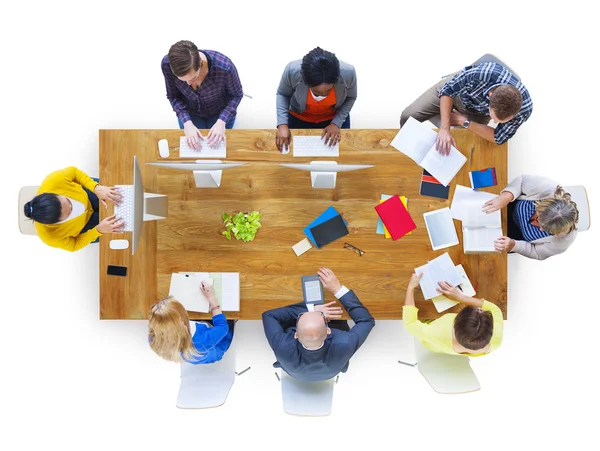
(557, 215)
(169, 331)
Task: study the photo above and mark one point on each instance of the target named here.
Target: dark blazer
(333, 357)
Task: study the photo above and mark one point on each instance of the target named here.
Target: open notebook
(437, 270)
(442, 303)
(417, 141)
(479, 229)
(185, 287)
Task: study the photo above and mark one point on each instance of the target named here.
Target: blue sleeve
(211, 336)
(363, 320)
(276, 321)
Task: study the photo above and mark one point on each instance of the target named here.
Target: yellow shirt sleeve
(75, 175)
(498, 323)
(69, 243)
(410, 319)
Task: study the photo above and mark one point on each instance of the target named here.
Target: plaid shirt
(472, 85)
(220, 92)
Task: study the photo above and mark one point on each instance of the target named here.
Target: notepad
(395, 217)
(442, 303)
(483, 178)
(440, 269)
(185, 288)
(226, 286)
(301, 247)
(417, 141)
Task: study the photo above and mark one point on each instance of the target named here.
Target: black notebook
(329, 231)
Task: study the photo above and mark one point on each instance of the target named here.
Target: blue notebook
(483, 178)
(325, 216)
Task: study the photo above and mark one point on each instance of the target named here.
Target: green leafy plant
(243, 225)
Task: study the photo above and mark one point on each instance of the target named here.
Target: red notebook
(395, 217)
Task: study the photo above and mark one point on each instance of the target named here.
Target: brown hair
(506, 101)
(183, 58)
(473, 328)
(557, 215)
(169, 331)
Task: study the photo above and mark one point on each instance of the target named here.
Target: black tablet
(312, 290)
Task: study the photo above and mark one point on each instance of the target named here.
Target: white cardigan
(534, 187)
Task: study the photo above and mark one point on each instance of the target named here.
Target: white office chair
(311, 399)
(580, 197)
(204, 386)
(447, 374)
(26, 225)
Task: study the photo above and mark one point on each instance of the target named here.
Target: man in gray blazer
(315, 92)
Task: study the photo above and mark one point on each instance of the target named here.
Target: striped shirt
(220, 92)
(524, 210)
(473, 84)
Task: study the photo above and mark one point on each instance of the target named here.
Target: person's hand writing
(448, 290)
(111, 224)
(105, 193)
(414, 281)
(216, 133)
(330, 312)
(283, 137)
(504, 244)
(331, 135)
(193, 137)
(329, 280)
(444, 141)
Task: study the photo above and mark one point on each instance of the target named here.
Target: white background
(70, 381)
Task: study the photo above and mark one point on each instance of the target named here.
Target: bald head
(312, 330)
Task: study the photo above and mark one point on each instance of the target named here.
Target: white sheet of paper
(437, 270)
(442, 303)
(464, 198)
(414, 140)
(480, 239)
(206, 152)
(230, 291)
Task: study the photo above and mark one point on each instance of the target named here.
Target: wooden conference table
(190, 238)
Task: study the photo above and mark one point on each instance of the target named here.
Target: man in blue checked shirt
(470, 98)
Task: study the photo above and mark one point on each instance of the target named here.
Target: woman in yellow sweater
(475, 331)
(66, 210)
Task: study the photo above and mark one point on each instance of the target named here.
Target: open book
(417, 141)
(439, 269)
(479, 229)
(442, 303)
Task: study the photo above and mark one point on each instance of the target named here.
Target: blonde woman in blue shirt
(174, 337)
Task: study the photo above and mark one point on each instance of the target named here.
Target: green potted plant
(243, 225)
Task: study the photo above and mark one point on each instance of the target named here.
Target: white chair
(26, 225)
(580, 197)
(311, 399)
(447, 374)
(204, 386)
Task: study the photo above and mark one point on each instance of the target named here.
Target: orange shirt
(318, 111)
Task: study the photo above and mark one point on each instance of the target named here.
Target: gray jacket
(292, 92)
(533, 187)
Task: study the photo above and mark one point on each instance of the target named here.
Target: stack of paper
(395, 217)
(417, 141)
(442, 303)
(479, 229)
(381, 229)
(440, 269)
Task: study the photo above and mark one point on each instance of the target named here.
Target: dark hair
(320, 66)
(473, 328)
(44, 208)
(183, 57)
(506, 101)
